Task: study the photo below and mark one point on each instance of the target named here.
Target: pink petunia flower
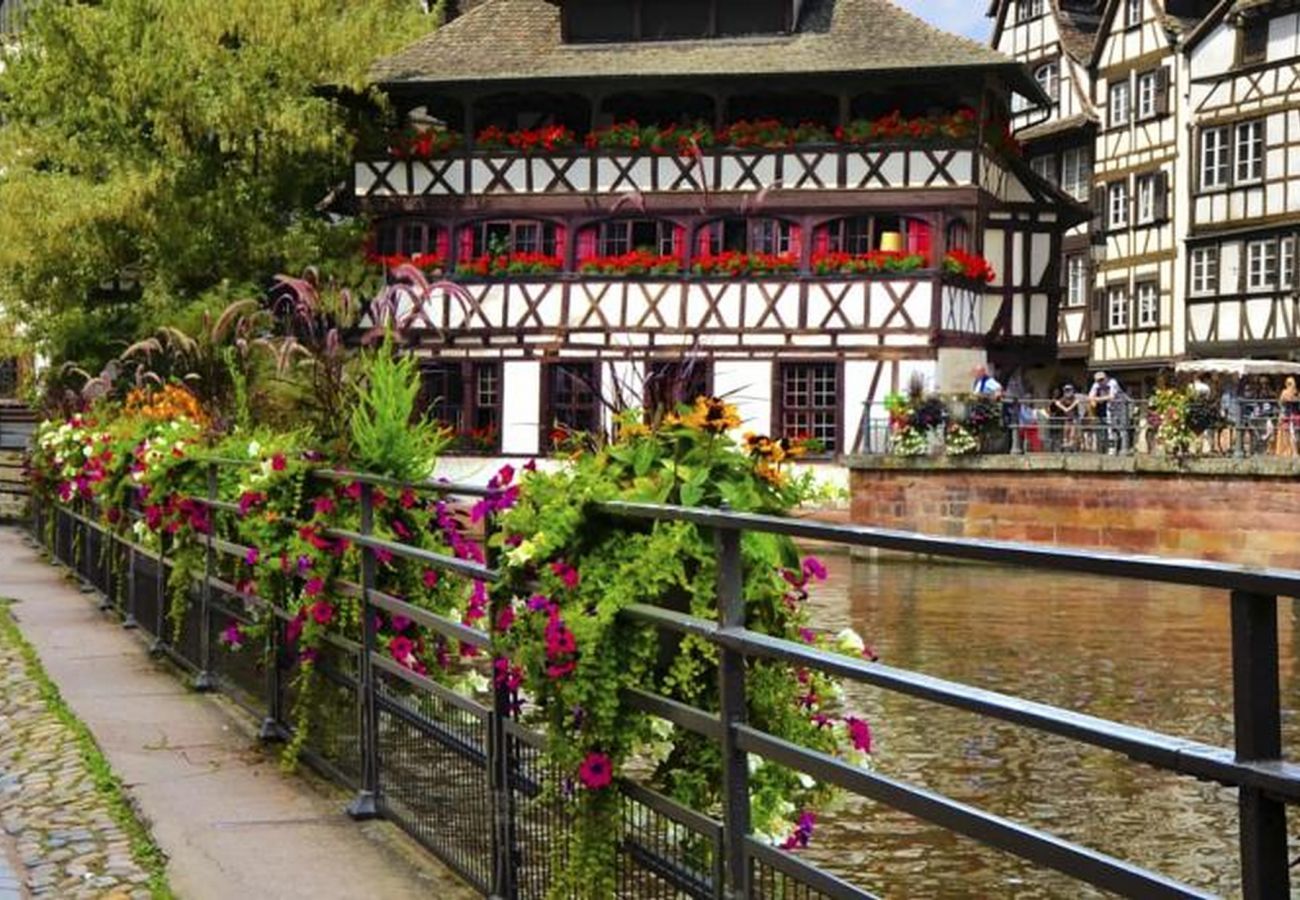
(322, 612)
(252, 556)
(314, 587)
(859, 733)
(278, 462)
(232, 636)
(596, 771)
(814, 568)
(430, 578)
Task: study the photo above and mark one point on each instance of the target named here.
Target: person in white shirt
(1111, 404)
(985, 385)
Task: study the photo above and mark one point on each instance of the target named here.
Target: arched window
(506, 236)
(758, 235)
(619, 236)
(863, 234)
(408, 237)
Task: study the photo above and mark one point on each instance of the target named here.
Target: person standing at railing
(1107, 397)
(1066, 410)
(1289, 401)
(985, 385)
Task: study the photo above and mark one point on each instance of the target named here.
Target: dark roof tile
(520, 40)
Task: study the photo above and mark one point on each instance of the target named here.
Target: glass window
(1250, 152)
(1118, 217)
(810, 404)
(1205, 271)
(850, 235)
(572, 400)
(1148, 305)
(1214, 158)
(1044, 167)
(405, 238)
(626, 235)
(1076, 172)
(1147, 185)
(1117, 306)
(1029, 9)
(1261, 265)
(514, 236)
(466, 398)
(1048, 78)
(1148, 89)
(1121, 102)
(670, 384)
(1076, 280)
(1133, 13)
(1286, 263)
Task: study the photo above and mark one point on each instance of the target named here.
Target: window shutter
(443, 246)
(588, 243)
(1162, 196)
(1099, 310)
(1243, 266)
(467, 243)
(1162, 91)
(1100, 207)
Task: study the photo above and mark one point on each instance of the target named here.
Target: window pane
(810, 403)
(574, 405)
(443, 389)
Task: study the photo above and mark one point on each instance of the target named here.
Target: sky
(962, 16)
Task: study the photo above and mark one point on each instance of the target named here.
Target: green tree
(190, 144)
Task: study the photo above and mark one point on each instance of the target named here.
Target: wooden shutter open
(1162, 195)
(1162, 91)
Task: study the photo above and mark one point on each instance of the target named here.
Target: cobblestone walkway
(59, 837)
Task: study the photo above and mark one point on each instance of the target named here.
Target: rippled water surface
(1145, 655)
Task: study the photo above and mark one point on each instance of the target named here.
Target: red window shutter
(561, 240)
(679, 240)
(443, 242)
(704, 243)
(587, 244)
(796, 240)
(467, 242)
(918, 237)
(822, 239)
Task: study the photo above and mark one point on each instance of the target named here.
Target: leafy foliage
(388, 437)
(180, 148)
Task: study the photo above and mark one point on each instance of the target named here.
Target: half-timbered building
(1055, 38)
(1244, 168)
(787, 202)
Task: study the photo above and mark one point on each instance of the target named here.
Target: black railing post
(270, 728)
(160, 640)
(731, 688)
(128, 621)
(366, 804)
(1257, 723)
(501, 763)
(205, 680)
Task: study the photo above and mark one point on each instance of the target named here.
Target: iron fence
(1120, 427)
(469, 782)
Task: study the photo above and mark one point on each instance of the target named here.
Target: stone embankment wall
(1243, 511)
(13, 499)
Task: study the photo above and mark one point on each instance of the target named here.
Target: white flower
(850, 642)
(806, 781)
(518, 556)
(475, 682)
(661, 728)
(254, 449)
(140, 529)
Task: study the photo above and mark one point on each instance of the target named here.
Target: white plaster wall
(748, 385)
(955, 368)
(521, 411)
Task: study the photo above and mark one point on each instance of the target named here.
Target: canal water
(1146, 655)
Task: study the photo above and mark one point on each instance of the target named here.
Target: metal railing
(1120, 427)
(467, 779)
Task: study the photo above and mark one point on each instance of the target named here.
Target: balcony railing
(580, 172)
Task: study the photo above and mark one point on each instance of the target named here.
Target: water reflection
(1147, 655)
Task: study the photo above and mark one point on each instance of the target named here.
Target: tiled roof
(1054, 127)
(1078, 26)
(520, 40)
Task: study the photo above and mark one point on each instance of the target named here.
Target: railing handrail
(1157, 569)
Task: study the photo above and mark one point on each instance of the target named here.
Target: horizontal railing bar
(671, 809)
(523, 733)
(1143, 745)
(440, 624)
(1196, 573)
(674, 711)
(808, 876)
(1079, 862)
(428, 486)
(220, 505)
(671, 872)
(429, 686)
(451, 563)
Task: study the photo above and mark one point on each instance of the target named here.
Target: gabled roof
(1078, 24)
(1227, 7)
(1180, 18)
(520, 40)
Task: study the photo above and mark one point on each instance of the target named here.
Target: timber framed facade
(1196, 187)
(852, 222)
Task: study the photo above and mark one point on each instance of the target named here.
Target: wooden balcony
(598, 173)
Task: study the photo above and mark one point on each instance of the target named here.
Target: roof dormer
(603, 21)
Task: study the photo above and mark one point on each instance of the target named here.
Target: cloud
(961, 16)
